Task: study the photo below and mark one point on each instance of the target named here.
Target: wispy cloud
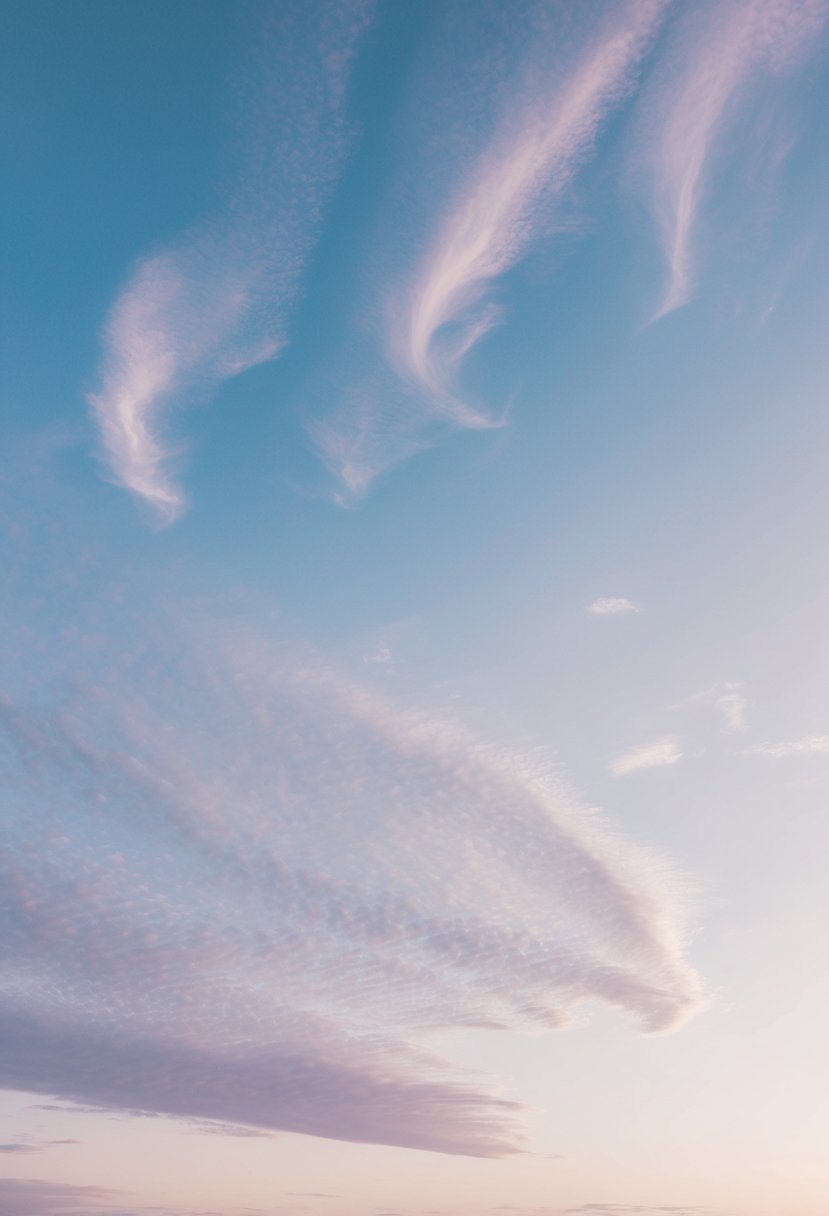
(612, 605)
(242, 885)
(809, 745)
(36, 1197)
(731, 704)
(496, 212)
(41, 1197)
(658, 754)
(718, 55)
(504, 196)
(239, 886)
(215, 303)
(726, 698)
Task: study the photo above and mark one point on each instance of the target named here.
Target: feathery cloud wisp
(650, 755)
(719, 53)
(732, 704)
(496, 211)
(810, 745)
(37, 1197)
(215, 303)
(612, 605)
(382, 874)
(503, 198)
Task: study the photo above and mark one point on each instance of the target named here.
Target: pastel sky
(414, 733)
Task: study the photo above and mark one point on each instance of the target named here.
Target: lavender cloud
(241, 887)
(622, 1209)
(612, 605)
(240, 884)
(34, 1146)
(215, 302)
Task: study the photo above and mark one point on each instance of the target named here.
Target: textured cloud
(495, 213)
(612, 605)
(238, 886)
(215, 303)
(650, 755)
(37, 1197)
(810, 745)
(35, 1146)
(508, 173)
(718, 56)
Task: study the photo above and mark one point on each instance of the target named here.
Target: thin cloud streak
(242, 885)
(659, 754)
(718, 54)
(278, 883)
(215, 303)
(38, 1146)
(732, 704)
(810, 745)
(498, 211)
(504, 198)
(36, 1197)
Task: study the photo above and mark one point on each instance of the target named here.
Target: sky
(414, 743)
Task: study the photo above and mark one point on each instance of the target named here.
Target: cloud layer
(215, 302)
(612, 605)
(241, 887)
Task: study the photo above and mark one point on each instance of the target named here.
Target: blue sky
(413, 729)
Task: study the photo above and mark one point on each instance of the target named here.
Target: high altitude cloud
(658, 754)
(35, 1197)
(627, 1209)
(215, 302)
(810, 745)
(612, 605)
(38, 1197)
(508, 174)
(499, 206)
(718, 56)
(239, 886)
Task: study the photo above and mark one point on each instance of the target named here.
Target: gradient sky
(414, 740)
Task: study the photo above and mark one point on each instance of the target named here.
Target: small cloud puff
(658, 754)
(611, 605)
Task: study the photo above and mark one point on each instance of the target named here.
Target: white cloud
(810, 745)
(215, 303)
(718, 52)
(278, 884)
(611, 605)
(658, 754)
